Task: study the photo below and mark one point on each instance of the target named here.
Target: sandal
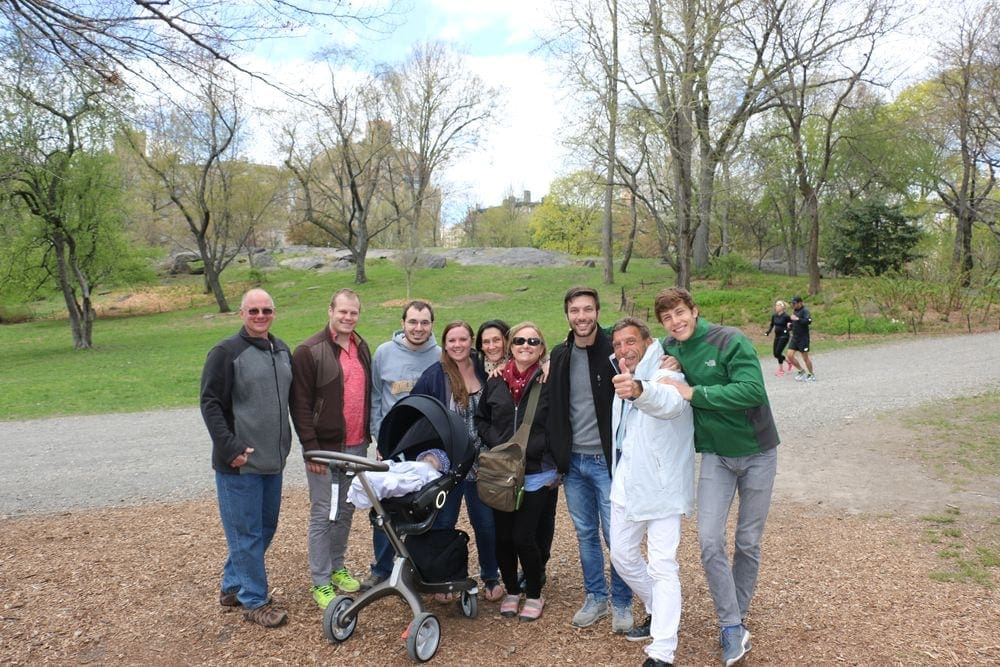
(532, 609)
(492, 590)
(508, 608)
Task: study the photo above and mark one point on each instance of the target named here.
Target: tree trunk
(812, 217)
(962, 254)
(212, 275)
(633, 211)
(706, 184)
(607, 236)
(360, 252)
(80, 317)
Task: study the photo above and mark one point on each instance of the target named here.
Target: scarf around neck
(516, 381)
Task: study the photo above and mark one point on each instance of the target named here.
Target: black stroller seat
(414, 425)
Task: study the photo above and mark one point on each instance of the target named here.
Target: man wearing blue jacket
(652, 484)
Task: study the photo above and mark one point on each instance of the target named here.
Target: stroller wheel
(335, 627)
(423, 637)
(469, 604)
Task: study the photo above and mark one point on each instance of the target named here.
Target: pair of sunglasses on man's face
(533, 342)
(254, 312)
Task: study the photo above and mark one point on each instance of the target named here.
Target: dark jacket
(560, 429)
(244, 402)
(317, 397)
(434, 382)
(498, 418)
(779, 324)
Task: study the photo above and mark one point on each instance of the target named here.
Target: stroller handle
(346, 461)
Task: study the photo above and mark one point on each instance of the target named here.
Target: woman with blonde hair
(780, 321)
(501, 410)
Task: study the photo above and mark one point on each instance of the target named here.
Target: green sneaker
(323, 595)
(344, 581)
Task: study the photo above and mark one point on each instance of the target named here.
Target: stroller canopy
(417, 423)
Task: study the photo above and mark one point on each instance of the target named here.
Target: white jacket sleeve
(661, 400)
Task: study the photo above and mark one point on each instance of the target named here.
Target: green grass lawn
(154, 361)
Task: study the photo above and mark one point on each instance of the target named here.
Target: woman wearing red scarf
(500, 412)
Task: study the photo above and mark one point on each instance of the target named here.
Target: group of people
(792, 329)
(616, 417)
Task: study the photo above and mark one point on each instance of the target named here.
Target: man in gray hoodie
(396, 366)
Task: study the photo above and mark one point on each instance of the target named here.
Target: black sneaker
(654, 662)
(372, 581)
(640, 632)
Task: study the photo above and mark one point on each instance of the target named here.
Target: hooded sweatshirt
(395, 369)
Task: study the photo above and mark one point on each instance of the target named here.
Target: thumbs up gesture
(625, 385)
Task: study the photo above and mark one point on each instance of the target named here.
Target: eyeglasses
(254, 312)
(533, 342)
(418, 323)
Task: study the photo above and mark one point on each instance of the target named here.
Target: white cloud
(520, 152)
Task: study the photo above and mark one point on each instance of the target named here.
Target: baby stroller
(414, 425)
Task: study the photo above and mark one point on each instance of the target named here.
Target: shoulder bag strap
(521, 435)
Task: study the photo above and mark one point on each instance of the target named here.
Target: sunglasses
(254, 312)
(533, 342)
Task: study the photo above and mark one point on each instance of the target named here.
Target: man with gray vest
(244, 402)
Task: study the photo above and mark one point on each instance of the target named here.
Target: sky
(520, 151)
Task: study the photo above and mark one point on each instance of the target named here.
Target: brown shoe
(228, 599)
(267, 615)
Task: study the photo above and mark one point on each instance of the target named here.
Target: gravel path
(127, 459)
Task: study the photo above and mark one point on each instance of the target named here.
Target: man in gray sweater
(244, 402)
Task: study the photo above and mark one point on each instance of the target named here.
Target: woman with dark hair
(503, 404)
(491, 344)
(457, 381)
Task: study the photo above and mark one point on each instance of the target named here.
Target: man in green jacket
(735, 433)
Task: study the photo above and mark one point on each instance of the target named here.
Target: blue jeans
(588, 490)
(732, 586)
(248, 506)
(480, 516)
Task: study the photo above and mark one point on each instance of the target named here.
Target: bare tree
(132, 41)
(437, 109)
(963, 122)
(826, 51)
(191, 148)
(586, 44)
(341, 169)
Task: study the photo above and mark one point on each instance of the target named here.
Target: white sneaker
(800, 376)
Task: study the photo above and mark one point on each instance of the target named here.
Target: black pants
(779, 348)
(518, 541)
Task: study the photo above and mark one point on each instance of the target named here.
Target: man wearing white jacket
(652, 483)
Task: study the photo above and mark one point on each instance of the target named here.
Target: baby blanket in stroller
(402, 477)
